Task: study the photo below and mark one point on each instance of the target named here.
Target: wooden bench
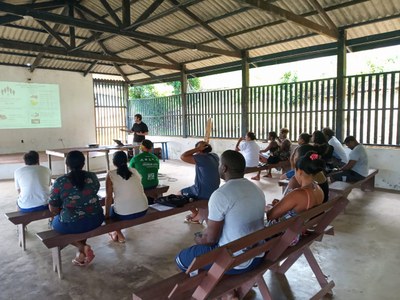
(344, 188)
(283, 165)
(213, 284)
(57, 241)
(22, 219)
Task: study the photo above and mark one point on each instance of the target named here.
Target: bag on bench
(172, 200)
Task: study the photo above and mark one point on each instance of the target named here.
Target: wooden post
(184, 101)
(245, 93)
(341, 84)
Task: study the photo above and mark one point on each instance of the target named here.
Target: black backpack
(172, 200)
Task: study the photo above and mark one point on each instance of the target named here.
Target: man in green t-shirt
(147, 164)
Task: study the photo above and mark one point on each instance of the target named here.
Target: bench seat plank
(21, 219)
(57, 241)
(215, 285)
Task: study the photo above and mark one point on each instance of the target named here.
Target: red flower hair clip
(314, 156)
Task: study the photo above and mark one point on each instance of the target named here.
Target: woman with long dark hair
(124, 188)
(76, 205)
(308, 195)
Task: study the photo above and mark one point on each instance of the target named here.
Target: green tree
(143, 91)
(289, 77)
(194, 85)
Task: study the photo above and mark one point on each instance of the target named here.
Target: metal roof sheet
(164, 35)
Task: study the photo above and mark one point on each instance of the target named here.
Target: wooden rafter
(315, 4)
(205, 25)
(71, 10)
(54, 34)
(289, 16)
(45, 16)
(146, 14)
(116, 66)
(111, 12)
(49, 38)
(81, 54)
(126, 13)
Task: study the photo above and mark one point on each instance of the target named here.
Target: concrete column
(245, 93)
(341, 84)
(184, 101)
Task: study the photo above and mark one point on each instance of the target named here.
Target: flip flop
(113, 236)
(89, 254)
(191, 219)
(78, 263)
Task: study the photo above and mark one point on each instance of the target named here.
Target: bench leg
(369, 185)
(21, 236)
(56, 254)
(263, 288)
(288, 262)
(325, 285)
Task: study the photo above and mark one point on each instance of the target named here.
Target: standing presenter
(139, 129)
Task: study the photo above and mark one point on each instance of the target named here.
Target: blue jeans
(116, 216)
(185, 257)
(82, 225)
(37, 208)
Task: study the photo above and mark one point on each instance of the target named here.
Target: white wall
(385, 159)
(77, 112)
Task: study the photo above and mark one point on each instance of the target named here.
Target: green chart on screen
(29, 105)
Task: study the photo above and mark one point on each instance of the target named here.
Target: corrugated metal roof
(165, 38)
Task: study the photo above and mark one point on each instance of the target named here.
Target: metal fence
(110, 110)
(371, 110)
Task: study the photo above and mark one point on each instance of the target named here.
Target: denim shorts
(116, 216)
(83, 225)
(37, 208)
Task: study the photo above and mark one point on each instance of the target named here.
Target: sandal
(78, 263)
(79, 260)
(256, 178)
(113, 236)
(193, 218)
(120, 239)
(89, 254)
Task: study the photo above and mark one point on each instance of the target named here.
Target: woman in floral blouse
(76, 205)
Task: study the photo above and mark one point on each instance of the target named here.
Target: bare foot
(255, 178)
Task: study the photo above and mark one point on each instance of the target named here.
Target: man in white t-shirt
(249, 149)
(338, 149)
(32, 182)
(236, 209)
(357, 167)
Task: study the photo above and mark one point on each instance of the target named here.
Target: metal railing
(371, 110)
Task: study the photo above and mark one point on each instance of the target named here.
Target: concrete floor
(362, 258)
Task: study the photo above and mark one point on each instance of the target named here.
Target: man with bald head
(236, 209)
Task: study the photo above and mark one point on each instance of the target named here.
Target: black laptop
(119, 143)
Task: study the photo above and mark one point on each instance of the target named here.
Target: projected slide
(29, 105)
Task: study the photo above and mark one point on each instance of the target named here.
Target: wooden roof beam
(111, 12)
(289, 16)
(126, 13)
(49, 38)
(54, 34)
(46, 16)
(315, 4)
(205, 26)
(146, 14)
(80, 54)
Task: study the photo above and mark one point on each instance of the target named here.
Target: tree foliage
(194, 85)
(289, 77)
(143, 91)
